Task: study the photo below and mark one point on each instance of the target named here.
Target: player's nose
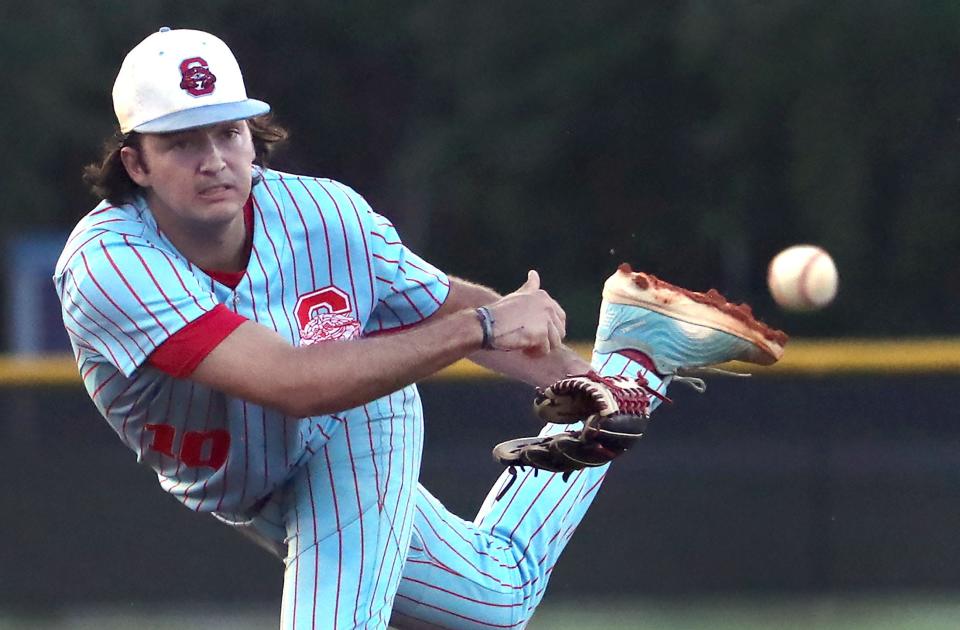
(212, 160)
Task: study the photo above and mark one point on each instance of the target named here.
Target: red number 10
(192, 446)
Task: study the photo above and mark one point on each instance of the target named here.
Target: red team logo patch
(323, 315)
(196, 77)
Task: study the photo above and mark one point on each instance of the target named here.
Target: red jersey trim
(183, 351)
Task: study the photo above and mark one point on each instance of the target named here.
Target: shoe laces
(632, 394)
(690, 376)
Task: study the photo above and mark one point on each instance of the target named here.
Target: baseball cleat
(678, 329)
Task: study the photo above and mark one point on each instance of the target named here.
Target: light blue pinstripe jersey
(323, 265)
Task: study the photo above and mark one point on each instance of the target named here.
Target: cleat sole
(710, 310)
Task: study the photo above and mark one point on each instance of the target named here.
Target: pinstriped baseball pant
(385, 550)
(492, 572)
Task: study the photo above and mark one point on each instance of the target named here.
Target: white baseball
(802, 278)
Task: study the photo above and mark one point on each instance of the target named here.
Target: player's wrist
(486, 321)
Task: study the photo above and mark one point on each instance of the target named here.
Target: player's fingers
(533, 282)
(554, 335)
(560, 320)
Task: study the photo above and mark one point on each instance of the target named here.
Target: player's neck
(221, 246)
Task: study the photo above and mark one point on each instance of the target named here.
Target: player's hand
(528, 319)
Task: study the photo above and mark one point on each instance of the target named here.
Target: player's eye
(177, 143)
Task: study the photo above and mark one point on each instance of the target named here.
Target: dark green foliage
(693, 139)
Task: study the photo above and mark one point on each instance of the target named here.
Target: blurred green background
(693, 139)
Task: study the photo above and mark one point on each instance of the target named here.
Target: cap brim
(203, 116)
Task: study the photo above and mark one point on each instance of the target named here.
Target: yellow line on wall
(803, 357)
(58, 369)
(823, 356)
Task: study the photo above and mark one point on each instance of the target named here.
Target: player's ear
(136, 168)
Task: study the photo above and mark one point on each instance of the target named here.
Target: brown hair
(108, 178)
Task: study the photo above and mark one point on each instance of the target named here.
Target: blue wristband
(486, 323)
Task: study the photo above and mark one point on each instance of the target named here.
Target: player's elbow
(304, 400)
(299, 407)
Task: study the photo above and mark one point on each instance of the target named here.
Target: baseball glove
(614, 411)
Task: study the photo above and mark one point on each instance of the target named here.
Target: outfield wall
(840, 480)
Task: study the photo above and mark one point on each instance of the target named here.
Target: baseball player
(255, 338)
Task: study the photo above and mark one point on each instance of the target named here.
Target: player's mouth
(215, 192)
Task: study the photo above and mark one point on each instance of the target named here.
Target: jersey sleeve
(183, 351)
(408, 289)
(123, 297)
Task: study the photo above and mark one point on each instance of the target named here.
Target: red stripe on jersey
(428, 272)
(101, 210)
(68, 259)
(286, 232)
(102, 232)
(384, 238)
(183, 351)
(346, 246)
(123, 279)
(366, 249)
(143, 263)
(102, 385)
(101, 313)
(326, 234)
(176, 272)
(386, 260)
(130, 409)
(283, 284)
(410, 302)
(86, 373)
(106, 346)
(306, 233)
(393, 312)
(246, 456)
(206, 426)
(266, 447)
(429, 292)
(253, 298)
(187, 415)
(266, 285)
(87, 229)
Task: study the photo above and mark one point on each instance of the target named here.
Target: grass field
(863, 613)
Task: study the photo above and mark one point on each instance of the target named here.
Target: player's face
(198, 176)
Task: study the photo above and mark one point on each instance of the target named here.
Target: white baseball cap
(180, 79)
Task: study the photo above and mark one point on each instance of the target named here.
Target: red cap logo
(197, 78)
